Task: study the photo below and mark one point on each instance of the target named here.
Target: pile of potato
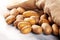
(31, 21)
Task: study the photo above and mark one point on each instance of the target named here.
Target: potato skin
(19, 18)
(43, 21)
(43, 16)
(10, 19)
(30, 20)
(14, 12)
(20, 10)
(30, 13)
(55, 29)
(36, 18)
(50, 20)
(47, 28)
(22, 24)
(26, 29)
(37, 29)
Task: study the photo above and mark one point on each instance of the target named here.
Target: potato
(19, 18)
(14, 12)
(43, 21)
(37, 29)
(30, 13)
(36, 18)
(43, 16)
(55, 29)
(23, 24)
(50, 20)
(26, 29)
(47, 28)
(21, 10)
(10, 19)
(30, 20)
(6, 15)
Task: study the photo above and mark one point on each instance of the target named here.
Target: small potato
(43, 21)
(36, 18)
(16, 23)
(21, 10)
(30, 13)
(47, 28)
(37, 29)
(14, 12)
(55, 29)
(23, 24)
(19, 18)
(30, 20)
(59, 31)
(50, 19)
(6, 15)
(26, 29)
(43, 16)
(10, 19)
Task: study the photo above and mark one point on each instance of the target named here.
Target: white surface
(8, 32)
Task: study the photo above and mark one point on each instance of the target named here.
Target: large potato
(30, 13)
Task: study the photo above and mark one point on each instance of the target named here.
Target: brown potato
(14, 12)
(6, 15)
(23, 24)
(37, 29)
(47, 28)
(30, 20)
(26, 29)
(30, 13)
(43, 21)
(50, 20)
(43, 16)
(19, 18)
(10, 19)
(21, 10)
(36, 18)
(55, 29)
